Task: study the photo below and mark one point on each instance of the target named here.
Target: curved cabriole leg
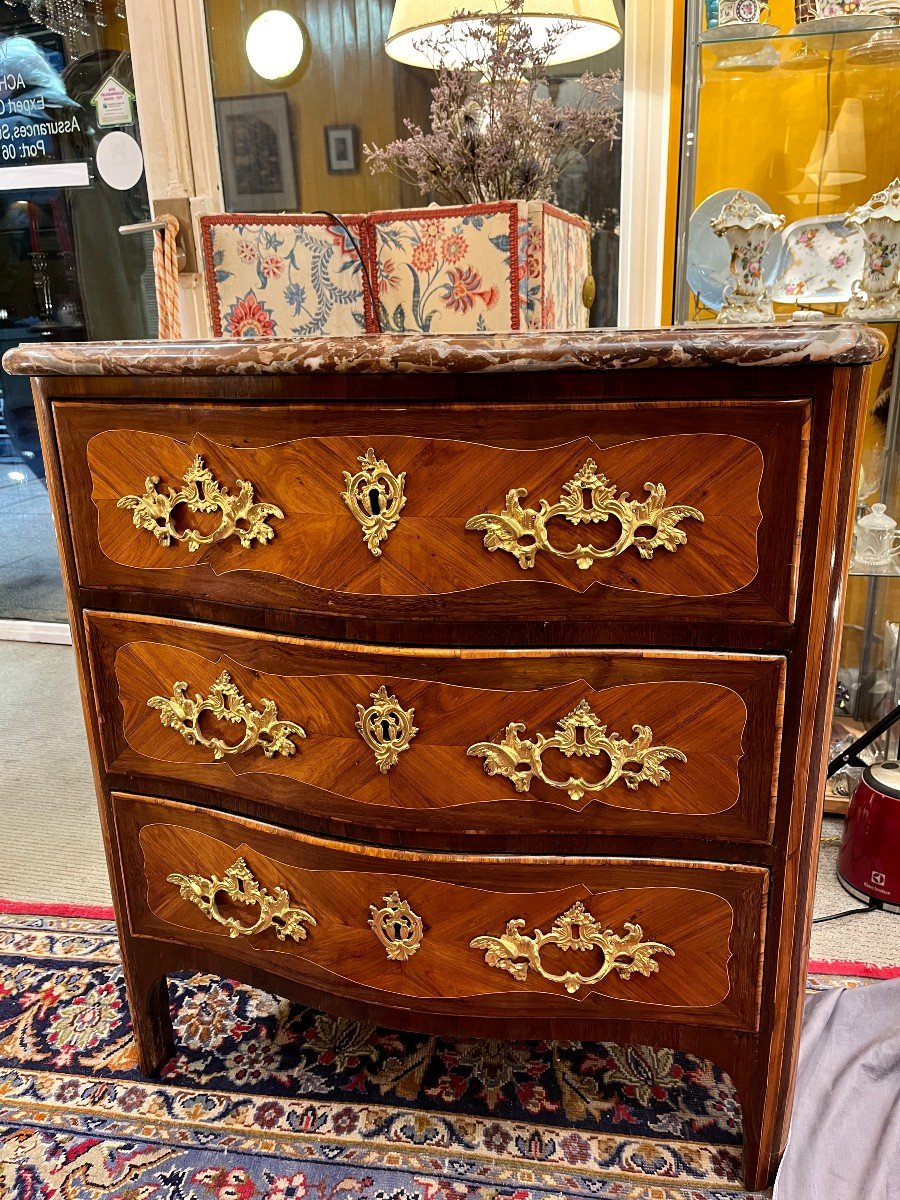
(148, 999)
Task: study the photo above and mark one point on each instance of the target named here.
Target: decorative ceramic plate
(845, 23)
(708, 256)
(820, 259)
(738, 31)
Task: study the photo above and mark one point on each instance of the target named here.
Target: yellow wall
(348, 80)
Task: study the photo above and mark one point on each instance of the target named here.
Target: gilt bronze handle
(241, 516)
(225, 702)
(588, 499)
(579, 735)
(240, 886)
(517, 953)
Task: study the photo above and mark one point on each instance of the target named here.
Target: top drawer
(682, 511)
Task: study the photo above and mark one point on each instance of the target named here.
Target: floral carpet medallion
(270, 1101)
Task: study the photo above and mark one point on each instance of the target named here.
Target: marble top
(600, 349)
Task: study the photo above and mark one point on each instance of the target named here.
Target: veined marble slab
(601, 349)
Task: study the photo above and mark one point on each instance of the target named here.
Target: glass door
(71, 173)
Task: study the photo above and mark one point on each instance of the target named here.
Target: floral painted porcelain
(820, 259)
(810, 10)
(284, 277)
(479, 268)
(748, 229)
(876, 295)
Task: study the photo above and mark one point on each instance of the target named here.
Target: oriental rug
(270, 1101)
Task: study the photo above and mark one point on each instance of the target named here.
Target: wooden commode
(472, 686)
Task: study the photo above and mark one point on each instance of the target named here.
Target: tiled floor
(30, 581)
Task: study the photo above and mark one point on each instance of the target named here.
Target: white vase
(748, 231)
(876, 297)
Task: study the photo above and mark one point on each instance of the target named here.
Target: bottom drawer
(498, 936)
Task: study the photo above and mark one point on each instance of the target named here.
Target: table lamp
(595, 27)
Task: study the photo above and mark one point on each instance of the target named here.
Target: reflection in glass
(65, 275)
(347, 86)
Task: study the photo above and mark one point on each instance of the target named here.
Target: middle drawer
(515, 742)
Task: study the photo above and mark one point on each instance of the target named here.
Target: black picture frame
(256, 146)
(342, 149)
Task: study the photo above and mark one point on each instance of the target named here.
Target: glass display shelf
(890, 572)
(770, 33)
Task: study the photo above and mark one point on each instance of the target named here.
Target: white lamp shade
(276, 44)
(595, 27)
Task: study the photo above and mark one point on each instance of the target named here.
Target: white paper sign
(44, 175)
(114, 104)
(120, 162)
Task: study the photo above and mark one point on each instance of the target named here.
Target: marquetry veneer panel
(703, 731)
(484, 530)
(707, 920)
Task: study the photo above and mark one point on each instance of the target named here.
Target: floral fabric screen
(486, 268)
(285, 276)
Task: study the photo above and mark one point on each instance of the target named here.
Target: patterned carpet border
(268, 1101)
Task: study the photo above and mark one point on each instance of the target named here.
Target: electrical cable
(323, 212)
(848, 912)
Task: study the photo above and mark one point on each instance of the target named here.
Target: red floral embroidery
(288, 1187)
(464, 287)
(342, 239)
(272, 266)
(388, 277)
(424, 256)
(432, 229)
(248, 318)
(455, 248)
(549, 311)
(246, 251)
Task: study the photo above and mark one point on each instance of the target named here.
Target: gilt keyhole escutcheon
(375, 496)
(397, 927)
(386, 727)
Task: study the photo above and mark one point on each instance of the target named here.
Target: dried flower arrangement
(496, 134)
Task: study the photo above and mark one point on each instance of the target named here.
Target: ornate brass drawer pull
(240, 886)
(242, 517)
(375, 496)
(588, 499)
(226, 702)
(386, 728)
(397, 927)
(514, 951)
(579, 735)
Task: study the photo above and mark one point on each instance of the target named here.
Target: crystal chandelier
(68, 17)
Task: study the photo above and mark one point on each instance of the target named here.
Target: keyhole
(386, 730)
(374, 501)
(580, 735)
(587, 497)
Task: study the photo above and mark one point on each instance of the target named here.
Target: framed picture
(259, 174)
(342, 149)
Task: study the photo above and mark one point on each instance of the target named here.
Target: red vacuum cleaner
(869, 858)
